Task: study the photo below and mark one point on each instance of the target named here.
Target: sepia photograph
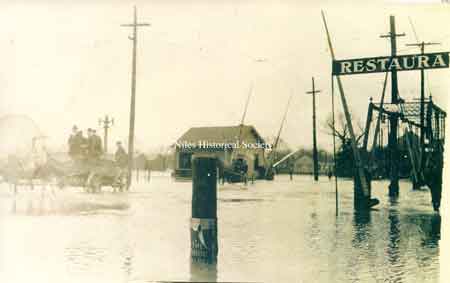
(224, 141)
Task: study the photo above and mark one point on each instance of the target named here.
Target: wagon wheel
(122, 181)
(94, 183)
(117, 183)
(61, 183)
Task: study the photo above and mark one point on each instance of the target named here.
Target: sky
(66, 63)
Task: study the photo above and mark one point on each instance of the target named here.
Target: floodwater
(278, 231)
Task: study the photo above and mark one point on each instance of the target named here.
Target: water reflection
(202, 271)
(48, 203)
(409, 234)
(85, 256)
(128, 265)
(432, 238)
(429, 227)
(394, 237)
(361, 223)
(393, 248)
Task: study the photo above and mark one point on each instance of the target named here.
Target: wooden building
(227, 143)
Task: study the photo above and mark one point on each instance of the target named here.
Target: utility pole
(392, 143)
(133, 38)
(422, 100)
(107, 123)
(315, 157)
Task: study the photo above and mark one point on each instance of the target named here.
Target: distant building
(158, 162)
(223, 142)
(140, 162)
(304, 165)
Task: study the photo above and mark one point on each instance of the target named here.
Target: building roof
(227, 134)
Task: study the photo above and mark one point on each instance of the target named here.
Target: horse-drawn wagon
(64, 172)
(92, 175)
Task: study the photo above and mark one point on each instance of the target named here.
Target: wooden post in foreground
(204, 245)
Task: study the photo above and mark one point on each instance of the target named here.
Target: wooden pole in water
(315, 157)
(334, 147)
(204, 245)
(362, 191)
(393, 119)
(134, 25)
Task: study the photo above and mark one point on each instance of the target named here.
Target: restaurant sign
(387, 64)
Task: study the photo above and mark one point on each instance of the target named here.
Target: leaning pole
(362, 199)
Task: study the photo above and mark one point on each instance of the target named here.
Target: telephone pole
(422, 100)
(392, 143)
(107, 123)
(133, 38)
(315, 157)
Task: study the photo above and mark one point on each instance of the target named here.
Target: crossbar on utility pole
(393, 146)
(134, 25)
(315, 155)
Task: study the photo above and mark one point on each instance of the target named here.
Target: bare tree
(340, 128)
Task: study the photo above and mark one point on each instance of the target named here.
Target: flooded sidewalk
(271, 231)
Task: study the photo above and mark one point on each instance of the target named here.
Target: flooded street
(279, 231)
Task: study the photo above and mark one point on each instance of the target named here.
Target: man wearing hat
(77, 144)
(121, 156)
(72, 141)
(97, 148)
(90, 148)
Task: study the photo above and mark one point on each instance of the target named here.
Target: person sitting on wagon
(89, 145)
(72, 142)
(94, 147)
(121, 156)
(77, 144)
(98, 148)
